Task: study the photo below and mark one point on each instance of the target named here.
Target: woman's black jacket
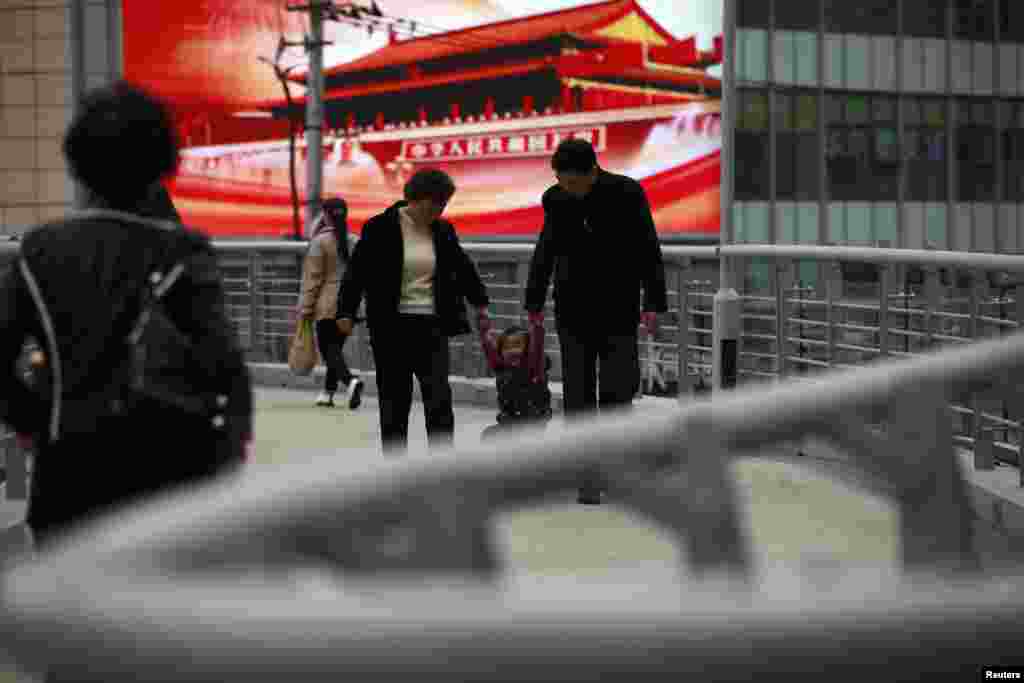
(375, 272)
(88, 269)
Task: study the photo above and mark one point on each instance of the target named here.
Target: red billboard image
(485, 93)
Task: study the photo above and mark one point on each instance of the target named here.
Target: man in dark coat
(600, 243)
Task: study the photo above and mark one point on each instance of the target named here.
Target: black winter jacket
(602, 249)
(375, 271)
(88, 269)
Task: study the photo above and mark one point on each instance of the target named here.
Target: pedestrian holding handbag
(302, 355)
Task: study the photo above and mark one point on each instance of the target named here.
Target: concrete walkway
(793, 513)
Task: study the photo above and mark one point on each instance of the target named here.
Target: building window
(1011, 21)
(924, 18)
(975, 150)
(873, 17)
(862, 148)
(974, 19)
(797, 156)
(1013, 150)
(752, 162)
(753, 13)
(797, 15)
(924, 138)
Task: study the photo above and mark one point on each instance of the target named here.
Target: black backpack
(161, 364)
(158, 364)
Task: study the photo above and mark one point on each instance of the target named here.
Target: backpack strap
(51, 342)
(157, 286)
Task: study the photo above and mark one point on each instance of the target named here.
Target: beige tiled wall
(35, 107)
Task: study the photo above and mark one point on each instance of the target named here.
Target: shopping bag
(302, 356)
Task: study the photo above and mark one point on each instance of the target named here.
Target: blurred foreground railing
(328, 569)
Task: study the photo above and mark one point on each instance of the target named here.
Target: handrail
(173, 581)
(878, 255)
(922, 257)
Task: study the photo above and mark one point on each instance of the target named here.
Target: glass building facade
(877, 122)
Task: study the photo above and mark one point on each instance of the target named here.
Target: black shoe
(588, 497)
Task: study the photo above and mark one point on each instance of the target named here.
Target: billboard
(484, 89)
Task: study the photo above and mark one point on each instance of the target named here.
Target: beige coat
(322, 272)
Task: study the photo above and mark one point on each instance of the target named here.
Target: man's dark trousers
(599, 371)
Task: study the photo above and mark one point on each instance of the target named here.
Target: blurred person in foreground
(415, 276)
(600, 244)
(77, 285)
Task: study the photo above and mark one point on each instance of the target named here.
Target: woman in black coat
(75, 286)
(414, 275)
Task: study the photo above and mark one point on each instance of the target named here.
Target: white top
(417, 269)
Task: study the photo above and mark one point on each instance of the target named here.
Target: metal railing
(805, 309)
(391, 568)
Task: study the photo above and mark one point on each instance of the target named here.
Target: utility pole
(320, 11)
(314, 44)
(727, 306)
(315, 116)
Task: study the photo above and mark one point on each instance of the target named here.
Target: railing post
(984, 455)
(725, 330)
(256, 347)
(1018, 305)
(470, 368)
(522, 273)
(783, 276)
(740, 268)
(973, 328)
(974, 304)
(932, 302)
(683, 328)
(832, 272)
(884, 277)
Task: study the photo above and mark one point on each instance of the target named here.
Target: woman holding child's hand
(415, 277)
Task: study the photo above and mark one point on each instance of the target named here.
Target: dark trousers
(331, 343)
(599, 371)
(413, 345)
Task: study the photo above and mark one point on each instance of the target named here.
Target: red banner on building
(459, 100)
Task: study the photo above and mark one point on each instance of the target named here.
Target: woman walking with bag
(415, 276)
(330, 249)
